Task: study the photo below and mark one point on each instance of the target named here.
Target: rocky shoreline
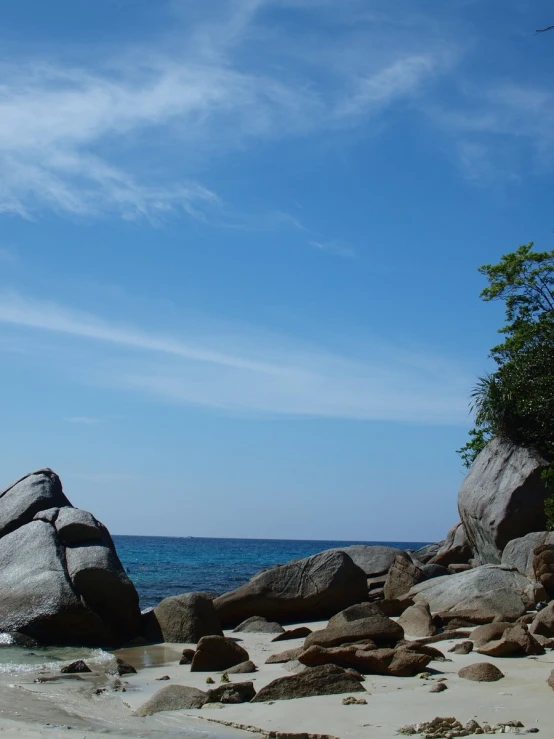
(449, 618)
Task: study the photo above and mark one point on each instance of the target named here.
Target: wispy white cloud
(334, 247)
(72, 138)
(85, 420)
(237, 369)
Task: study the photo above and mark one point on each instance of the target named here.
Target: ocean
(160, 566)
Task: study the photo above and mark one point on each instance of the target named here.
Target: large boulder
(488, 591)
(456, 548)
(400, 662)
(502, 498)
(215, 653)
(355, 624)
(324, 680)
(186, 618)
(417, 620)
(401, 577)
(307, 589)
(373, 559)
(62, 581)
(533, 556)
(173, 698)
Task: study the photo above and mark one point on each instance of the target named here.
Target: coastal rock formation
(287, 656)
(368, 660)
(173, 698)
(374, 560)
(515, 640)
(259, 625)
(489, 632)
(483, 672)
(184, 619)
(312, 588)
(401, 577)
(489, 591)
(243, 668)
(62, 581)
(543, 623)
(299, 633)
(354, 624)
(502, 498)
(417, 620)
(231, 693)
(456, 548)
(324, 680)
(215, 653)
(533, 555)
(464, 647)
(426, 553)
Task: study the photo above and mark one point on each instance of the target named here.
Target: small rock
(481, 672)
(74, 667)
(163, 677)
(438, 688)
(351, 701)
(464, 647)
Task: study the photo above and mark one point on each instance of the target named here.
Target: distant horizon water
(160, 566)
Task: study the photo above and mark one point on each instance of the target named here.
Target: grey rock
(543, 623)
(518, 553)
(432, 570)
(215, 653)
(417, 620)
(75, 527)
(173, 698)
(75, 667)
(456, 548)
(502, 498)
(186, 619)
(259, 625)
(426, 553)
(311, 588)
(402, 576)
(374, 560)
(313, 681)
(21, 500)
(488, 590)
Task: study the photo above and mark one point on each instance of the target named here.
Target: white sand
(391, 702)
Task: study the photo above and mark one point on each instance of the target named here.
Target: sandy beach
(30, 709)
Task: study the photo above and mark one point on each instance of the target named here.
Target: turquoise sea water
(161, 566)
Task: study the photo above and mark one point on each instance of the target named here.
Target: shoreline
(44, 708)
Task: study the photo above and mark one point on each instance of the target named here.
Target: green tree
(516, 401)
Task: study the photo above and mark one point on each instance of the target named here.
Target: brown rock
(438, 688)
(173, 698)
(464, 647)
(324, 680)
(455, 549)
(186, 657)
(243, 668)
(300, 633)
(231, 693)
(124, 668)
(444, 636)
(528, 645)
(286, 656)
(500, 648)
(217, 653)
(402, 576)
(481, 672)
(489, 632)
(75, 667)
(341, 630)
(394, 606)
(185, 619)
(401, 662)
(417, 620)
(550, 680)
(259, 625)
(543, 623)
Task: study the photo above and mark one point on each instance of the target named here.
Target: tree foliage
(516, 401)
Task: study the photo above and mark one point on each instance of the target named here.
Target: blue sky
(239, 244)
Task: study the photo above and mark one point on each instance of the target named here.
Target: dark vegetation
(516, 400)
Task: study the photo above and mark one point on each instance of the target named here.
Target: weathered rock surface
(173, 698)
(490, 590)
(186, 657)
(483, 672)
(426, 553)
(287, 656)
(543, 623)
(312, 588)
(243, 668)
(489, 632)
(519, 553)
(341, 630)
(186, 618)
(259, 625)
(432, 570)
(464, 647)
(215, 653)
(375, 560)
(456, 548)
(231, 693)
(502, 498)
(401, 577)
(75, 667)
(550, 680)
(324, 680)
(300, 633)
(400, 662)
(62, 582)
(417, 620)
